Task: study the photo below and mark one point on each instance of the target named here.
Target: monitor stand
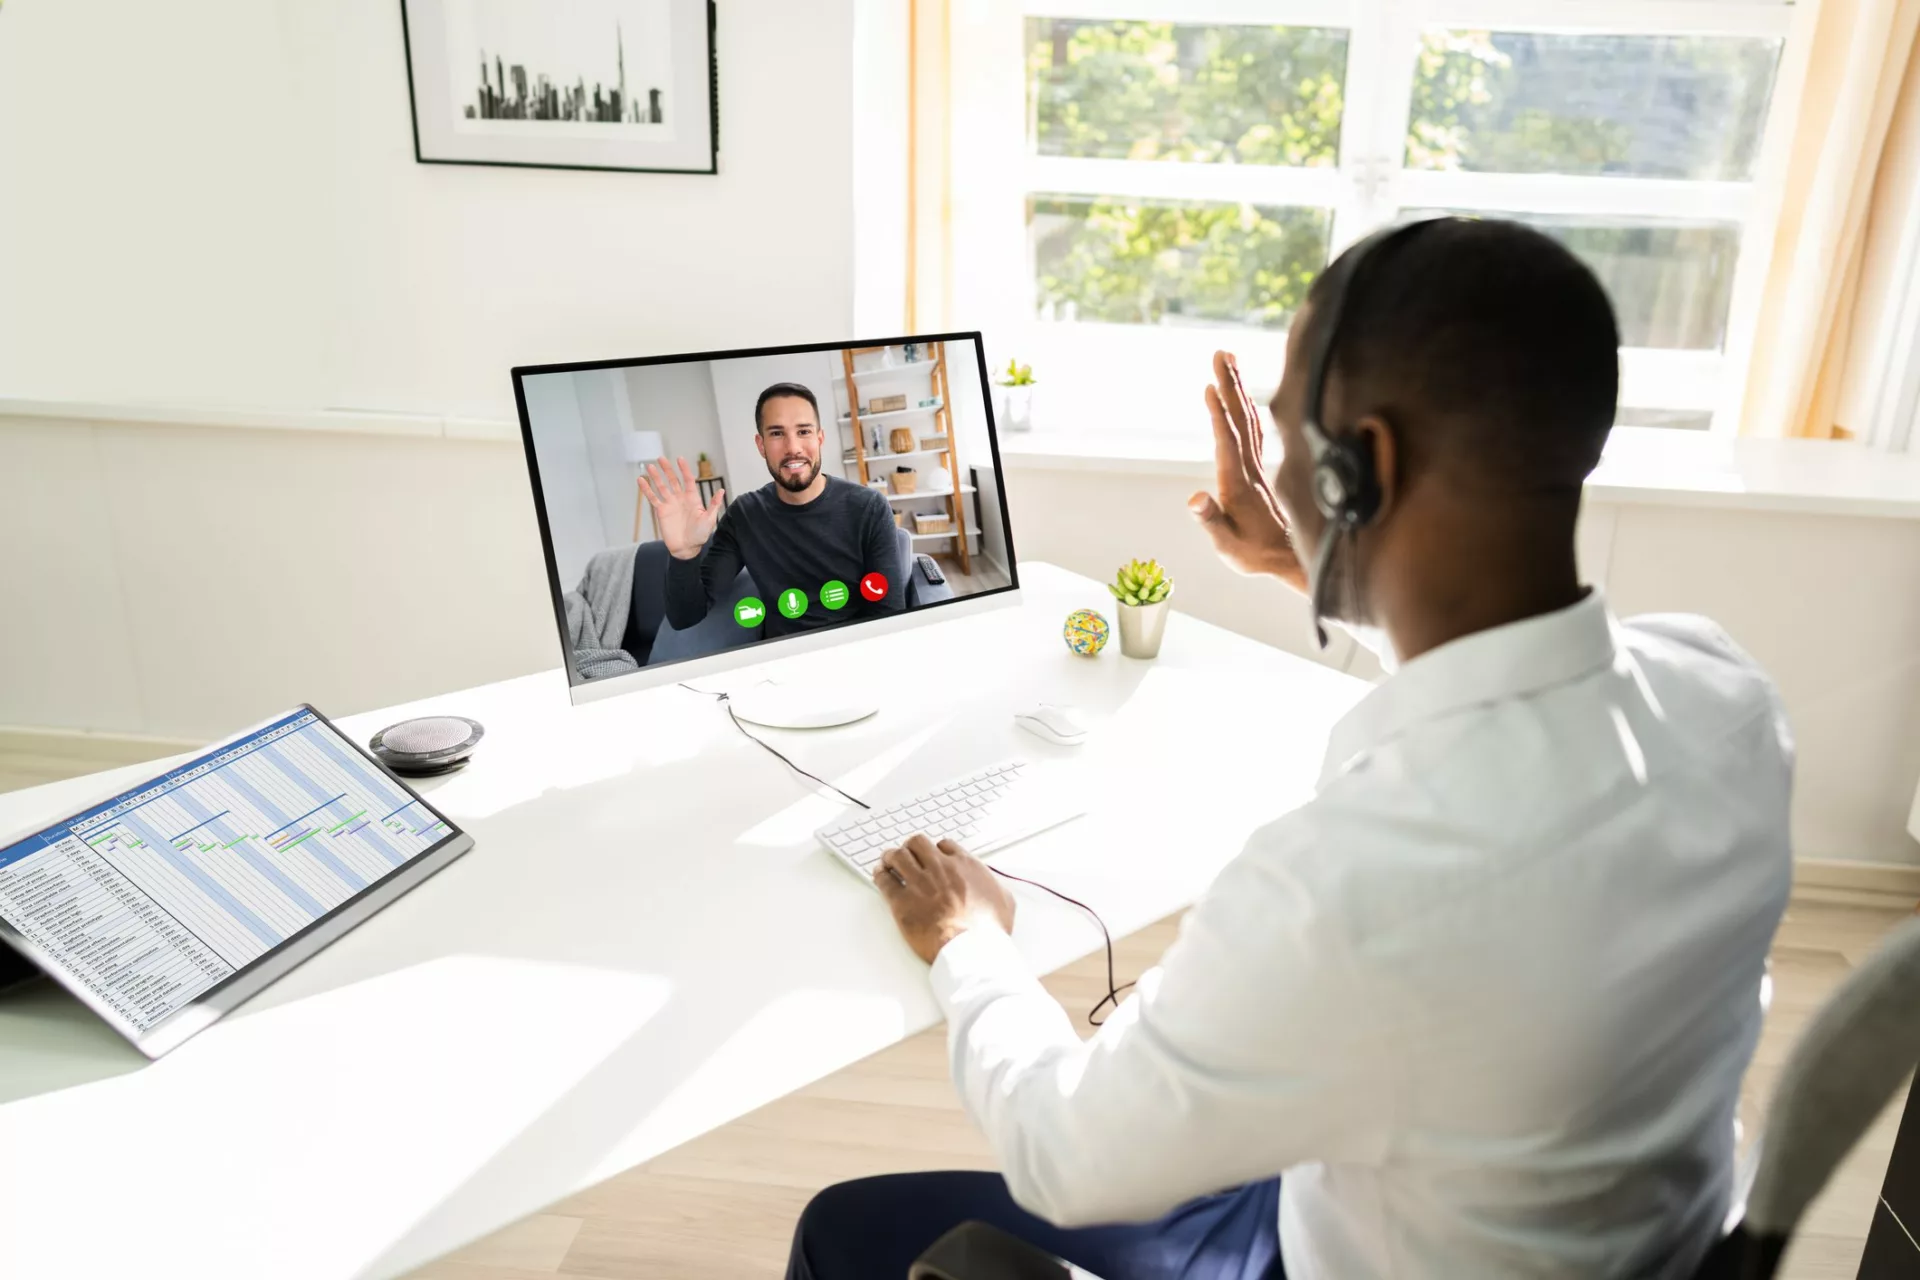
(802, 706)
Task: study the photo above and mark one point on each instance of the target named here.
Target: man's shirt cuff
(981, 961)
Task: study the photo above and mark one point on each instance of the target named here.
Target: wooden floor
(724, 1205)
(986, 575)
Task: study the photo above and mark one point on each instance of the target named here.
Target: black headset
(1345, 486)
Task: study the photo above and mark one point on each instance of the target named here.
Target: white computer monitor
(847, 488)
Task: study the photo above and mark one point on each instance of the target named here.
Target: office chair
(1853, 1055)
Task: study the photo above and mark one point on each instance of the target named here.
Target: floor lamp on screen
(641, 448)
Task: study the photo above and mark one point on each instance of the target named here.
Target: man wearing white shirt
(1482, 1006)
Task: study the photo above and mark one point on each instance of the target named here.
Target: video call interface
(698, 505)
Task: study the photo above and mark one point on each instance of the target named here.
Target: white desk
(644, 945)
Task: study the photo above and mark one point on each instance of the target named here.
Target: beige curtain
(1858, 73)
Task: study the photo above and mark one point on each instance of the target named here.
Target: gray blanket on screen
(597, 612)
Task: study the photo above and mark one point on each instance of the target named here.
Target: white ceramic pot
(1016, 408)
(1142, 626)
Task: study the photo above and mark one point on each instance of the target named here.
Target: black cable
(726, 700)
(1113, 992)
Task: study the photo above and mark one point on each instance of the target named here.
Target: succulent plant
(1017, 375)
(1142, 582)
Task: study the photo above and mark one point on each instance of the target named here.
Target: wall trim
(366, 422)
(109, 750)
(1858, 877)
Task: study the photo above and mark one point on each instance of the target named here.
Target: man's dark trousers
(874, 1228)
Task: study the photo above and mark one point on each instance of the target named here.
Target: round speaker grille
(431, 744)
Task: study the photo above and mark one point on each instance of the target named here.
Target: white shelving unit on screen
(952, 499)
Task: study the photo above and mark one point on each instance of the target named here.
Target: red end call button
(874, 587)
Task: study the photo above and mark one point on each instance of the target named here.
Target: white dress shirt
(1485, 1001)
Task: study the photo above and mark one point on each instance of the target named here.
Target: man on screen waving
(798, 533)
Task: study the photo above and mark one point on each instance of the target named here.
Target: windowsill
(1641, 465)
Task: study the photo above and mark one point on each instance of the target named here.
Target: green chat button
(835, 594)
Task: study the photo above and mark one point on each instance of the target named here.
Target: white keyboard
(984, 812)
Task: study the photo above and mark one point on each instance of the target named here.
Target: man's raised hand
(684, 519)
(1244, 520)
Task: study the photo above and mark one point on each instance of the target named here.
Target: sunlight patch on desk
(795, 824)
(1158, 747)
(597, 743)
(809, 1032)
(309, 1103)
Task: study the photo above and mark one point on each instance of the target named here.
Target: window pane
(1671, 282)
(1162, 91)
(1628, 106)
(1128, 261)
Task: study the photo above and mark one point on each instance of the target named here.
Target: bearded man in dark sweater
(802, 531)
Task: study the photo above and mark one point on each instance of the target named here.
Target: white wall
(677, 401)
(605, 420)
(970, 433)
(216, 202)
(737, 385)
(574, 519)
(186, 582)
(1828, 604)
(969, 404)
(1831, 607)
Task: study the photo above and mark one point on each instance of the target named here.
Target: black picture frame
(414, 47)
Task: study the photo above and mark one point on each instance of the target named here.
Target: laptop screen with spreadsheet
(164, 894)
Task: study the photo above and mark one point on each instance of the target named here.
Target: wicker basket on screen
(906, 480)
(927, 523)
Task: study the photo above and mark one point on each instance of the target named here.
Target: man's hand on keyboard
(938, 892)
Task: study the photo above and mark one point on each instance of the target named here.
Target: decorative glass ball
(1086, 632)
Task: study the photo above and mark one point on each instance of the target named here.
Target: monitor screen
(695, 507)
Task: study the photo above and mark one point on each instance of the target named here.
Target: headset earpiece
(1346, 487)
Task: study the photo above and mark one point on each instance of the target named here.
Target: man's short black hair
(784, 389)
(1487, 343)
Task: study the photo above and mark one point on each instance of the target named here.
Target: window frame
(990, 277)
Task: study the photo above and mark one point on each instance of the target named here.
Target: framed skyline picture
(585, 84)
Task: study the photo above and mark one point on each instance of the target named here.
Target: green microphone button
(793, 602)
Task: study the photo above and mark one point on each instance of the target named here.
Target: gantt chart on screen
(163, 893)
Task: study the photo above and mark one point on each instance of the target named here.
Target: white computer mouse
(1054, 723)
